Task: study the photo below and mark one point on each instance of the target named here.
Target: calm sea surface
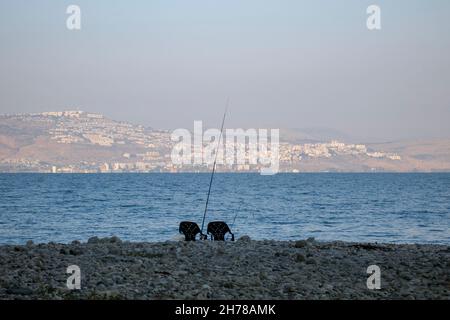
(148, 207)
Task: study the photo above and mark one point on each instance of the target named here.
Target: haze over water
(413, 208)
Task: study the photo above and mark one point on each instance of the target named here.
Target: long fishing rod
(214, 165)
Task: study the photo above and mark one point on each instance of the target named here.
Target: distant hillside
(76, 141)
(420, 155)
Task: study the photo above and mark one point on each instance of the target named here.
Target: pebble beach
(244, 269)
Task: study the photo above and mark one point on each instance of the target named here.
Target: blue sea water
(383, 207)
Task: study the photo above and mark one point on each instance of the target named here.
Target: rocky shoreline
(245, 269)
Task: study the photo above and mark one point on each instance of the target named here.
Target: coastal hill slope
(77, 141)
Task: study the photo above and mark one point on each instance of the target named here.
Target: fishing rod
(214, 165)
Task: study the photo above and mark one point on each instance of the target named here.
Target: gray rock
(20, 291)
(220, 251)
(115, 239)
(114, 250)
(289, 288)
(299, 257)
(76, 251)
(300, 244)
(245, 238)
(93, 240)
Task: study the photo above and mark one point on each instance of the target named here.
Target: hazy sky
(284, 64)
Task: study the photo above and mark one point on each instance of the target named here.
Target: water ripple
(148, 207)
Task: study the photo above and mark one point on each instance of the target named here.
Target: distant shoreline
(245, 269)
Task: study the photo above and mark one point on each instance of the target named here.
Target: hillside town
(84, 142)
